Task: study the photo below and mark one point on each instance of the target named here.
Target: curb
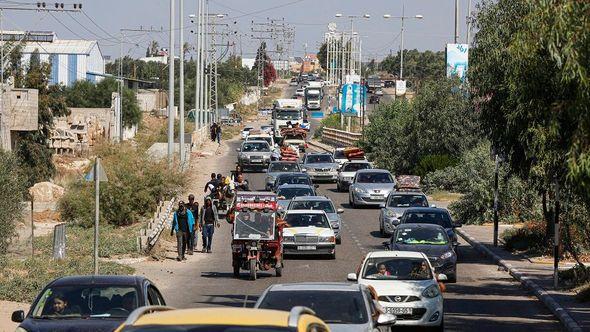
(564, 317)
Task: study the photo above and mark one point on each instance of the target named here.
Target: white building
(70, 60)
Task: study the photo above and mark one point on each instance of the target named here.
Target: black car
(433, 241)
(88, 303)
(374, 99)
(437, 216)
(292, 178)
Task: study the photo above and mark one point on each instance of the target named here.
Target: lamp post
(403, 17)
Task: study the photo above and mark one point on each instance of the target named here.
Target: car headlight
(327, 239)
(288, 238)
(431, 292)
(335, 225)
(446, 255)
(390, 214)
(360, 190)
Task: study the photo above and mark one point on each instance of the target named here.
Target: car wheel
(381, 230)
(339, 241)
(333, 256)
(338, 187)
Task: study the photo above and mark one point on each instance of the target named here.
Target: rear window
(408, 201)
(374, 178)
(436, 218)
(339, 154)
(353, 167)
(333, 307)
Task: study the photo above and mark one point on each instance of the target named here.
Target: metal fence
(339, 137)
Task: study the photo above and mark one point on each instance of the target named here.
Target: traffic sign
(102, 175)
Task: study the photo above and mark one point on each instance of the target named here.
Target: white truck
(286, 111)
(313, 96)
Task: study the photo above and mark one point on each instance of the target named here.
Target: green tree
(33, 153)
(438, 125)
(323, 55)
(12, 189)
(418, 66)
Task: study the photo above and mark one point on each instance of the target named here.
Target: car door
(154, 297)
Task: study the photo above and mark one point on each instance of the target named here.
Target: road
(483, 299)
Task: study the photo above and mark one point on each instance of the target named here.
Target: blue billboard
(352, 96)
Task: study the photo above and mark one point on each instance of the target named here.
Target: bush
(530, 238)
(432, 163)
(473, 177)
(135, 186)
(12, 189)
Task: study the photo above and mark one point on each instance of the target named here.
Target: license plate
(377, 196)
(398, 311)
(256, 160)
(306, 247)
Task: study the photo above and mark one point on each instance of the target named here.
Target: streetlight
(403, 17)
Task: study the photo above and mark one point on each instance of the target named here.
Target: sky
(102, 20)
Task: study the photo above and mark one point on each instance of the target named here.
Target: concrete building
(70, 60)
(19, 112)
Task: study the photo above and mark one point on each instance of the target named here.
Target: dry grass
(445, 196)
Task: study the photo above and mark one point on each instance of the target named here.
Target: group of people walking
(215, 132)
(189, 220)
(184, 223)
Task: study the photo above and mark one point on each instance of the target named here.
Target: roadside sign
(400, 87)
(102, 174)
(350, 99)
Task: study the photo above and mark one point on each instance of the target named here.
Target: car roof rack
(296, 313)
(139, 312)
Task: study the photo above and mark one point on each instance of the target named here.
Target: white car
(310, 233)
(347, 172)
(246, 132)
(300, 92)
(406, 285)
(339, 156)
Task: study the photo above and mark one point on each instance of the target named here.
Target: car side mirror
(386, 319)
(18, 316)
(382, 205)
(351, 277)
(238, 149)
(339, 211)
(442, 277)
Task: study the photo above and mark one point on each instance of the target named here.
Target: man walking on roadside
(207, 223)
(193, 207)
(183, 223)
(218, 134)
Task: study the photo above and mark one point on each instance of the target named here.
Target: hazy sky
(309, 17)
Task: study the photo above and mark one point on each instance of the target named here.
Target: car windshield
(408, 201)
(339, 154)
(312, 97)
(333, 307)
(255, 147)
(307, 220)
(247, 129)
(405, 235)
(254, 225)
(437, 218)
(324, 205)
(289, 179)
(377, 177)
(397, 268)
(288, 193)
(287, 115)
(283, 167)
(268, 139)
(86, 302)
(353, 167)
(205, 328)
(319, 158)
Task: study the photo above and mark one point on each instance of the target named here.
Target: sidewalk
(538, 277)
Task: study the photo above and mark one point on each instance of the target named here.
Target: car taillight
(306, 146)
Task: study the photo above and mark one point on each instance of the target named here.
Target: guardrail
(150, 235)
(339, 137)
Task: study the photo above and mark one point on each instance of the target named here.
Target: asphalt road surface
(483, 299)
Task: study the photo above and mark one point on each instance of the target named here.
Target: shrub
(432, 163)
(12, 189)
(530, 237)
(135, 185)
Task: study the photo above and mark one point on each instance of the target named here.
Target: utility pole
(496, 202)
(171, 88)
(198, 71)
(456, 21)
(468, 19)
(556, 238)
(181, 78)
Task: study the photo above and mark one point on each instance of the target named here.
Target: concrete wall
(21, 107)
(151, 100)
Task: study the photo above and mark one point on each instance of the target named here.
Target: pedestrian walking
(213, 131)
(183, 224)
(218, 134)
(207, 223)
(193, 207)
